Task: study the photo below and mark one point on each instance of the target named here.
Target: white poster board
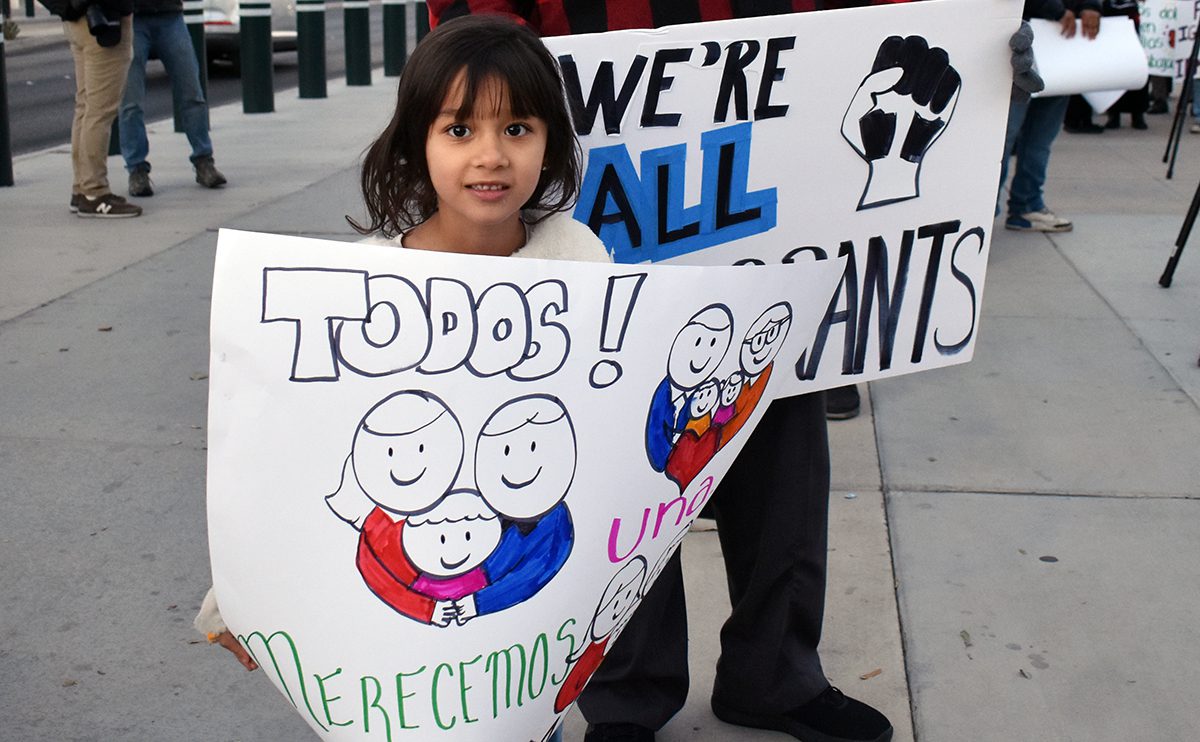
(440, 484)
(873, 133)
(1114, 61)
(367, 402)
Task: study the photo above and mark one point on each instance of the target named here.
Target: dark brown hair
(485, 48)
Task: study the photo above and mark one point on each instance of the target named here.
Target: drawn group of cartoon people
(693, 413)
(439, 552)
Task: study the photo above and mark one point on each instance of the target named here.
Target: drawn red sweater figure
(406, 455)
(624, 592)
(759, 348)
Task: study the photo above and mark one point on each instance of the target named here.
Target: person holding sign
(1034, 124)
(771, 509)
(479, 158)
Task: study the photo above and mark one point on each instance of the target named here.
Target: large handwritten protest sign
(872, 134)
(439, 485)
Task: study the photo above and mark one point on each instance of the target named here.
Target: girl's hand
(227, 640)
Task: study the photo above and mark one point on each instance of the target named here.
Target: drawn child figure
(730, 389)
(697, 444)
(407, 452)
(448, 544)
(702, 406)
(695, 354)
(757, 357)
(624, 592)
(524, 465)
(479, 157)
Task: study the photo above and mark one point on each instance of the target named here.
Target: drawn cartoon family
(693, 412)
(439, 552)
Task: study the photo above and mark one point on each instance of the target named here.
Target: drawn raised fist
(898, 112)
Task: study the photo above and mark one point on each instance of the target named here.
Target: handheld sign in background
(439, 485)
(871, 133)
(1111, 63)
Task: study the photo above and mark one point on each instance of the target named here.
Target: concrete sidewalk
(1015, 543)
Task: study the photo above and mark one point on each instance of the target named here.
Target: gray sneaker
(139, 182)
(108, 206)
(207, 173)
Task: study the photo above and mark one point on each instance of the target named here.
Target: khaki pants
(100, 74)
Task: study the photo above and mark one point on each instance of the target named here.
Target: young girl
(480, 158)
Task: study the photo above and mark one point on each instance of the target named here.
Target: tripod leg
(1185, 97)
(1184, 232)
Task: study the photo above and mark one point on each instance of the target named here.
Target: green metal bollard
(258, 83)
(422, 11)
(358, 41)
(395, 37)
(6, 169)
(310, 43)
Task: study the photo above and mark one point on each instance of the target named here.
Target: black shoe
(1158, 106)
(139, 181)
(1139, 121)
(830, 717)
(1083, 127)
(618, 733)
(841, 403)
(1114, 121)
(207, 174)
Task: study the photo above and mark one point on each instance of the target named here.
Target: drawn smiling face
(764, 338)
(619, 599)
(407, 451)
(453, 537)
(700, 347)
(525, 457)
(704, 400)
(731, 388)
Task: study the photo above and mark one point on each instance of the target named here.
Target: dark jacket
(1052, 10)
(71, 10)
(561, 17)
(152, 7)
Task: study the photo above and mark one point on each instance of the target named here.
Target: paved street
(1015, 542)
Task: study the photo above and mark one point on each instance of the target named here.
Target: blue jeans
(557, 736)
(166, 36)
(1032, 127)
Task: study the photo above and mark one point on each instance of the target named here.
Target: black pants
(772, 512)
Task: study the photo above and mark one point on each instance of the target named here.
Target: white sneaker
(1195, 127)
(1039, 221)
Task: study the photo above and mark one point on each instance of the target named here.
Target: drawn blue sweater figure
(695, 354)
(524, 464)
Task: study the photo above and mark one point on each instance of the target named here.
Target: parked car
(221, 28)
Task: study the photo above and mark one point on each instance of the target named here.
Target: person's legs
(644, 677)
(772, 515)
(178, 57)
(77, 166)
(134, 144)
(101, 86)
(1016, 119)
(1042, 123)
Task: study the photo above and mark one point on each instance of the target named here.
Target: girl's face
(484, 167)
